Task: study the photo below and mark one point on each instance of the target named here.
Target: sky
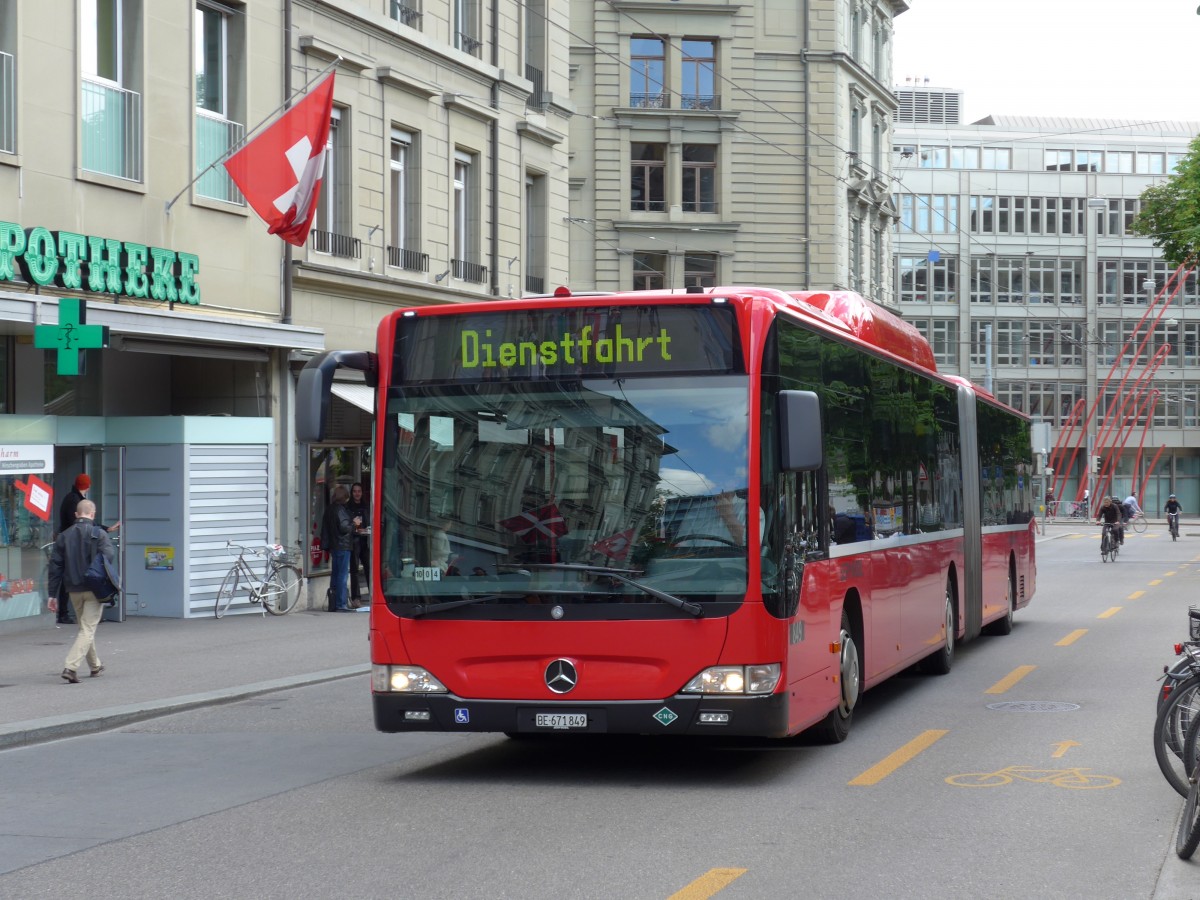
(1110, 59)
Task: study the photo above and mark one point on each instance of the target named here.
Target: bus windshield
(590, 498)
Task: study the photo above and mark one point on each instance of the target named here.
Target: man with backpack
(74, 550)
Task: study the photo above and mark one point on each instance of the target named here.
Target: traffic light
(1095, 464)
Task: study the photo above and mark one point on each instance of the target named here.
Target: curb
(36, 731)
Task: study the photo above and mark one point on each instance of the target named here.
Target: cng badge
(665, 717)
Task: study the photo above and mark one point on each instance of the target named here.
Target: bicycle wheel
(979, 779)
(279, 595)
(1187, 837)
(229, 586)
(1139, 524)
(1170, 731)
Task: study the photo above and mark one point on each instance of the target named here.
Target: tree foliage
(1170, 214)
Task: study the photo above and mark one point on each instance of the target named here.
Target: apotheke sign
(80, 262)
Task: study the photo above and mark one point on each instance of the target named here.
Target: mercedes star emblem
(561, 676)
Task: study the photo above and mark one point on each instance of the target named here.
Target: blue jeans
(341, 573)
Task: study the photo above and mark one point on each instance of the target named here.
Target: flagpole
(246, 137)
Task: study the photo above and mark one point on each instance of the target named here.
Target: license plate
(560, 721)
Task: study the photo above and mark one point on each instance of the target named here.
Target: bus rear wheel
(835, 727)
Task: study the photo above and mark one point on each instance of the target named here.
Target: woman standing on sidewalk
(360, 547)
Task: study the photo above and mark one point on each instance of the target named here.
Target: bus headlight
(404, 680)
(759, 679)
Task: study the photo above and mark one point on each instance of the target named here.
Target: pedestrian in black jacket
(337, 533)
(73, 552)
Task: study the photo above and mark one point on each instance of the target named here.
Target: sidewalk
(155, 666)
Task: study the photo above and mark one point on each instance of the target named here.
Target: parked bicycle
(277, 588)
(1178, 707)
(1187, 837)
(1108, 543)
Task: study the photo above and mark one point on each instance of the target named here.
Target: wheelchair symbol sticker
(462, 716)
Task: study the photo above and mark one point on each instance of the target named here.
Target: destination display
(558, 343)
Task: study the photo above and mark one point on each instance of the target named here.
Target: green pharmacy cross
(70, 335)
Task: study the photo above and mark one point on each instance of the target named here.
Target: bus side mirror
(313, 388)
(800, 437)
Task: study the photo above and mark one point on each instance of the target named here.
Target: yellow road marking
(1169, 574)
(1072, 637)
(893, 761)
(709, 883)
(1135, 595)
(1155, 581)
(1010, 679)
(1109, 613)
(1062, 747)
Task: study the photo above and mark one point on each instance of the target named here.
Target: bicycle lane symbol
(1073, 778)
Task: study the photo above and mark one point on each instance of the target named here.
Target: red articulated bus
(727, 512)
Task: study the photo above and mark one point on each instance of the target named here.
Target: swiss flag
(615, 546)
(545, 521)
(279, 172)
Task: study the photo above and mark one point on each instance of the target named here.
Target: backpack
(101, 577)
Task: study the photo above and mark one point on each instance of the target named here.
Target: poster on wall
(160, 559)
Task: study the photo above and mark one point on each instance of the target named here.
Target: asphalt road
(294, 795)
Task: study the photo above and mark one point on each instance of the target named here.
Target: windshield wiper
(418, 611)
(693, 609)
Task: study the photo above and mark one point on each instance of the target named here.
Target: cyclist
(1110, 514)
(1172, 508)
(1129, 509)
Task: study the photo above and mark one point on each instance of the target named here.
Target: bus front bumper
(682, 714)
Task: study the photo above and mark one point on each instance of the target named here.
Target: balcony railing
(406, 14)
(650, 101)
(111, 124)
(215, 137)
(336, 244)
(700, 101)
(535, 285)
(8, 104)
(537, 99)
(466, 43)
(411, 260)
(468, 271)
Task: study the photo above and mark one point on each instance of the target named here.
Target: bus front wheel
(834, 728)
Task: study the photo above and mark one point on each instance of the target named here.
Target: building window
(913, 279)
(466, 220)
(110, 108)
(535, 52)
(649, 271)
(1119, 161)
(855, 251)
(647, 61)
(219, 39)
(9, 40)
(647, 181)
(944, 273)
(699, 178)
(1150, 163)
(331, 223)
(405, 220)
(700, 270)
(407, 12)
(698, 74)
(536, 218)
(466, 26)
(928, 213)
